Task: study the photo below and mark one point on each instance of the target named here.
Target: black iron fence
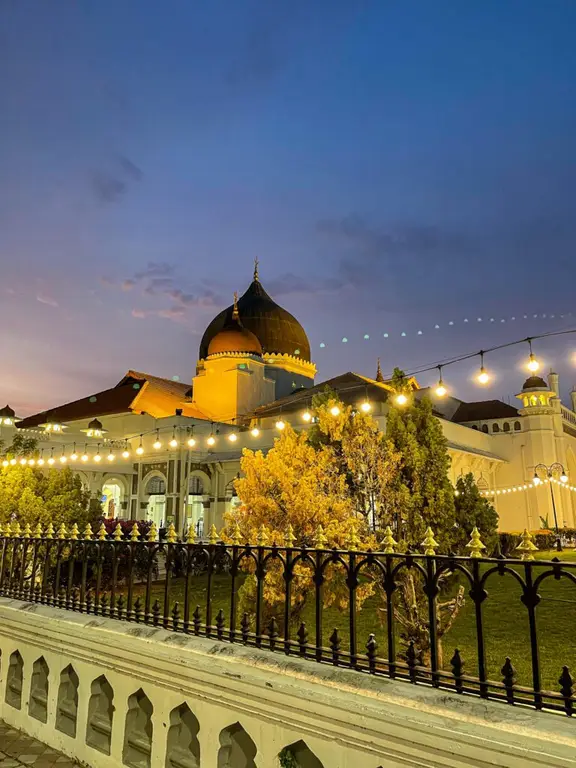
(220, 590)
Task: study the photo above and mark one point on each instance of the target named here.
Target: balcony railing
(204, 584)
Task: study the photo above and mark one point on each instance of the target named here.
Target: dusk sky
(394, 166)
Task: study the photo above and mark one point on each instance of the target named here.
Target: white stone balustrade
(113, 694)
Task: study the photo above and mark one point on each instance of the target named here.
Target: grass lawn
(505, 621)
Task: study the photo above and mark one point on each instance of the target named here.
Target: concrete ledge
(346, 718)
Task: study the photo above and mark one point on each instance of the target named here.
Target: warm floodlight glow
(306, 416)
(335, 411)
(401, 399)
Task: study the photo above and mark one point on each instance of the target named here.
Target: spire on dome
(235, 314)
(256, 275)
(379, 376)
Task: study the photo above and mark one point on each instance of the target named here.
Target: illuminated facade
(165, 450)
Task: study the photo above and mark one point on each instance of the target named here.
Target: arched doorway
(155, 496)
(113, 497)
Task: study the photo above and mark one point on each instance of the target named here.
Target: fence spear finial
(353, 540)
(213, 534)
(475, 544)
(38, 531)
(87, 532)
(320, 539)
(16, 529)
(152, 532)
(75, 532)
(62, 532)
(102, 532)
(118, 533)
(389, 542)
(134, 533)
(430, 544)
(236, 534)
(190, 535)
(49, 531)
(171, 535)
(289, 537)
(27, 531)
(526, 546)
(263, 537)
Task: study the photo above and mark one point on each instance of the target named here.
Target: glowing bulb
(126, 454)
(40, 462)
(533, 364)
(97, 457)
(456, 492)
(140, 450)
(74, 457)
(335, 411)
(232, 437)
(173, 443)
(536, 480)
(306, 416)
(563, 477)
(51, 460)
(401, 399)
(211, 440)
(23, 462)
(441, 388)
(31, 463)
(63, 459)
(5, 463)
(12, 461)
(84, 457)
(191, 442)
(255, 432)
(483, 377)
(110, 456)
(280, 424)
(366, 407)
(157, 444)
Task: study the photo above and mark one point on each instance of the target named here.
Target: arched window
(517, 426)
(156, 485)
(526, 402)
(485, 428)
(506, 427)
(495, 428)
(195, 486)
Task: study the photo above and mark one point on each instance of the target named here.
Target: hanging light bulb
(440, 388)
(31, 463)
(401, 399)
(84, 457)
(232, 437)
(533, 365)
(111, 456)
(23, 462)
(306, 416)
(255, 432)
(483, 375)
(211, 440)
(563, 477)
(13, 462)
(97, 457)
(173, 442)
(335, 411)
(74, 456)
(366, 406)
(41, 459)
(191, 442)
(51, 459)
(157, 444)
(63, 459)
(280, 424)
(536, 480)
(126, 453)
(5, 463)
(140, 450)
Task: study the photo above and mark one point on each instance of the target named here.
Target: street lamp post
(550, 471)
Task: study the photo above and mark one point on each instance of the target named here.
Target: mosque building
(155, 448)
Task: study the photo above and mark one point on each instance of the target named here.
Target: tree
(473, 510)
(422, 494)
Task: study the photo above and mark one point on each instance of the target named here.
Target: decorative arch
(236, 748)
(301, 756)
(204, 477)
(116, 489)
(138, 731)
(199, 484)
(154, 485)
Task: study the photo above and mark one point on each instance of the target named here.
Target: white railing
(568, 415)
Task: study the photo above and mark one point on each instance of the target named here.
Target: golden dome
(234, 338)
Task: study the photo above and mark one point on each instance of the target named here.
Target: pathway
(18, 750)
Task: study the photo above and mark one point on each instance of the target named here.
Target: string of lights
(535, 483)
(435, 327)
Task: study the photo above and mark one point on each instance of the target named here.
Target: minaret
(379, 376)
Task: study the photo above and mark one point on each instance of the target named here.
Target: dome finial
(235, 314)
(379, 376)
(256, 275)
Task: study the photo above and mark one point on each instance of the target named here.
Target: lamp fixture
(94, 429)
(483, 376)
(533, 365)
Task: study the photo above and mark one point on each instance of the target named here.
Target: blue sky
(394, 165)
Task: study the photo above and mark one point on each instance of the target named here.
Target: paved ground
(17, 750)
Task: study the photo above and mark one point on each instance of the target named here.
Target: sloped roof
(349, 387)
(485, 409)
(136, 391)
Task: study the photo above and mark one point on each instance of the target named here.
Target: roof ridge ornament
(235, 314)
(379, 376)
(256, 273)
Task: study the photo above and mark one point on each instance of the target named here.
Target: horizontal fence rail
(128, 579)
